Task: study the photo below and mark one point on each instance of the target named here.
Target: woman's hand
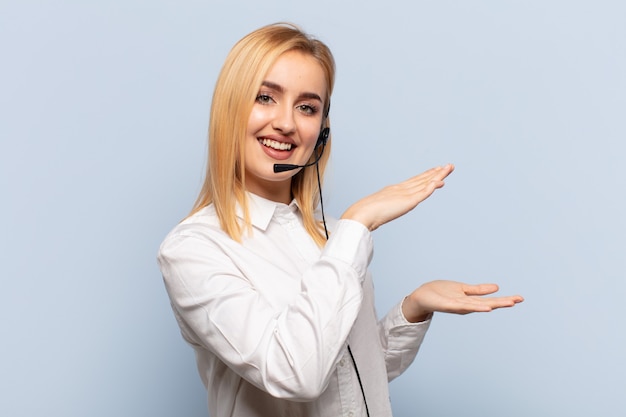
(443, 296)
(453, 297)
(396, 200)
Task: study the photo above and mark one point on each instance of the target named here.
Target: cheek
(257, 120)
(310, 133)
(309, 128)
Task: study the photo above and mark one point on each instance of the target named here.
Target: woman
(282, 320)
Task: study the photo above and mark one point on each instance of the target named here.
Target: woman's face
(284, 124)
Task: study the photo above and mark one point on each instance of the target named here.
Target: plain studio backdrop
(103, 118)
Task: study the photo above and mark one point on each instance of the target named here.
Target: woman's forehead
(297, 71)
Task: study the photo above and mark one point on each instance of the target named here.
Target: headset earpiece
(323, 137)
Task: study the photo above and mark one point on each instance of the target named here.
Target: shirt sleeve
(401, 340)
(289, 352)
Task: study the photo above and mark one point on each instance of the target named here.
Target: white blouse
(270, 318)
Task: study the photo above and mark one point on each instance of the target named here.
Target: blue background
(103, 118)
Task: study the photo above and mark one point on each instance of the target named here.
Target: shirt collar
(263, 210)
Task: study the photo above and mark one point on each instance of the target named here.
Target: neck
(274, 191)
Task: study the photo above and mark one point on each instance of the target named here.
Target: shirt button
(350, 414)
(342, 363)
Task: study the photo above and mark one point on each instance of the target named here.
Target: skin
(288, 110)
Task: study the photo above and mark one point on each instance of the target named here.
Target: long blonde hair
(236, 89)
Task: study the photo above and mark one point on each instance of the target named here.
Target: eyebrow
(280, 89)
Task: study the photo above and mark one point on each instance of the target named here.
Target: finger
(434, 178)
(504, 302)
(468, 306)
(440, 173)
(480, 305)
(480, 289)
(422, 185)
(436, 173)
(499, 302)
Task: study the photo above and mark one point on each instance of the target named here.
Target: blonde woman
(277, 304)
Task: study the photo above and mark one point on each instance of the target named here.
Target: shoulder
(202, 227)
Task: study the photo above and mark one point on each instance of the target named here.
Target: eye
(264, 99)
(308, 109)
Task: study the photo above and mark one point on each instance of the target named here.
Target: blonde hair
(236, 89)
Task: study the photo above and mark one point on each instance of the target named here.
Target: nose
(284, 120)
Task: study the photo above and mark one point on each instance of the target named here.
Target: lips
(274, 144)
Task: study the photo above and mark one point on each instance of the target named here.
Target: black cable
(358, 376)
(319, 186)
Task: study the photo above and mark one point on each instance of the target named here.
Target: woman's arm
(233, 306)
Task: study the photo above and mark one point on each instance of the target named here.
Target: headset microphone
(321, 140)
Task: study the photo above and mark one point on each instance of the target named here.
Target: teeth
(276, 145)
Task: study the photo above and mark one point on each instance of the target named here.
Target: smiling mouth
(279, 146)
